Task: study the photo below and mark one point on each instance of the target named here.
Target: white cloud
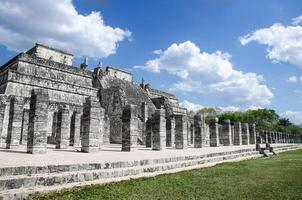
(205, 73)
(57, 23)
(293, 116)
(158, 51)
(190, 106)
(195, 107)
(293, 79)
(284, 43)
(297, 20)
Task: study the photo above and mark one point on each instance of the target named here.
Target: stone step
(268, 153)
(59, 178)
(23, 193)
(36, 181)
(30, 170)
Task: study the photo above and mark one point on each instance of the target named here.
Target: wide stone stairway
(17, 182)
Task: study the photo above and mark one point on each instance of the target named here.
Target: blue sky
(230, 54)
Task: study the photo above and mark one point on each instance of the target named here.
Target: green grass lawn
(278, 177)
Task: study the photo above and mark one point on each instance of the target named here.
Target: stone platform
(23, 174)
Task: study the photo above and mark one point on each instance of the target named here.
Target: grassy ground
(278, 177)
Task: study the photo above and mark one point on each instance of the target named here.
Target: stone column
(149, 133)
(214, 132)
(245, 134)
(252, 133)
(279, 137)
(159, 129)
(237, 133)
(170, 126)
(38, 119)
(77, 130)
(205, 135)
(198, 131)
(232, 134)
(192, 130)
(106, 134)
(25, 122)
(129, 129)
(225, 135)
(4, 115)
(15, 123)
(189, 133)
(266, 136)
(145, 115)
(180, 132)
(63, 133)
(270, 139)
(91, 125)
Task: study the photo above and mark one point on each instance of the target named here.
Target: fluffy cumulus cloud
(190, 106)
(195, 107)
(293, 116)
(57, 23)
(206, 73)
(294, 79)
(284, 43)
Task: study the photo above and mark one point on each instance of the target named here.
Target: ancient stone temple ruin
(46, 100)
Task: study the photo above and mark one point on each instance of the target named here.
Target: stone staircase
(20, 182)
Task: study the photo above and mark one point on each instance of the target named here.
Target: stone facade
(44, 99)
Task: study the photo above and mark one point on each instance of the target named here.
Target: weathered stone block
(214, 132)
(91, 125)
(226, 133)
(170, 126)
(129, 129)
(245, 134)
(198, 131)
(252, 133)
(159, 130)
(180, 132)
(37, 130)
(237, 133)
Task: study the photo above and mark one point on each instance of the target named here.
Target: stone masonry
(45, 100)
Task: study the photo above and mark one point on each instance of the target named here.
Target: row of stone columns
(224, 134)
(160, 132)
(277, 137)
(36, 127)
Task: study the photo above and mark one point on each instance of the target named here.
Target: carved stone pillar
(129, 128)
(170, 125)
(225, 134)
(245, 134)
(102, 128)
(214, 132)
(145, 115)
(25, 123)
(159, 130)
(237, 133)
(149, 133)
(266, 136)
(38, 119)
(91, 125)
(198, 131)
(15, 123)
(64, 122)
(180, 132)
(77, 130)
(189, 133)
(252, 132)
(4, 116)
(192, 130)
